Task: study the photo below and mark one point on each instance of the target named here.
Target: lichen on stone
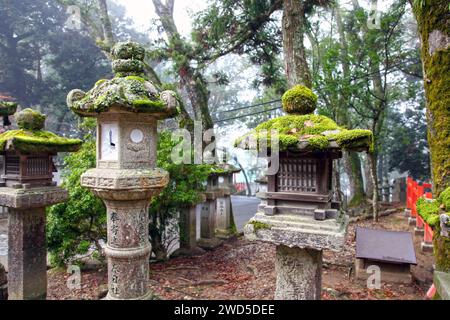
(129, 90)
(299, 100)
(258, 225)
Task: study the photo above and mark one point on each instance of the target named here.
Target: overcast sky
(142, 12)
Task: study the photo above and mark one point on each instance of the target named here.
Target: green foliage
(184, 190)
(76, 225)
(299, 100)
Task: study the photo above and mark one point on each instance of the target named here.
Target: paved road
(244, 208)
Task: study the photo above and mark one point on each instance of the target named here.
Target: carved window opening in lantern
(297, 175)
(35, 170)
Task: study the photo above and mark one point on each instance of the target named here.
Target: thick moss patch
(299, 100)
(316, 130)
(130, 93)
(430, 210)
(28, 142)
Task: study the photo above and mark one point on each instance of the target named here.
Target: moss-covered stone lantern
(7, 109)
(127, 108)
(297, 213)
(27, 190)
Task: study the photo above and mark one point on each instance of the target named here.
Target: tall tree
(433, 20)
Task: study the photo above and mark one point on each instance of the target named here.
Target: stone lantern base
(27, 250)
(300, 240)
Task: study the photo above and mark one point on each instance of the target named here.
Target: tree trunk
(352, 162)
(433, 20)
(368, 178)
(106, 25)
(352, 166)
(373, 172)
(293, 27)
(194, 84)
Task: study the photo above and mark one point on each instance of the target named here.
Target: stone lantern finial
(29, 119)
(128, 59)
(299, 100)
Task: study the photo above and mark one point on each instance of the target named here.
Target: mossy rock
(7, 108)
(37, 141)
(30, 119)
(299, 100)
(309, 132)
(431, 209)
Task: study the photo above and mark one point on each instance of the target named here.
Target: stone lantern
(7, 108)
(225, 226)
(27, 189)
(297, 213)
(208, 239)
(127, 108)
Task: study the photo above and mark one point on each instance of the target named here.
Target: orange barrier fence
(414, 191)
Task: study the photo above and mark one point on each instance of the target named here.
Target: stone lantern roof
(223, 169)
(32, 138)
(128, 91)
(301, 130)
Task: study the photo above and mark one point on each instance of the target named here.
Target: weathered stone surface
(32, 198)
(223, 216)
(207, 226)
(3, 283)
(390, 272)
(27, 255)
(130, 184)
(442, 282)
(128, 249)
(299, 231)
(299, 273)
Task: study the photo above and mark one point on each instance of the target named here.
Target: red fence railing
(414, 191)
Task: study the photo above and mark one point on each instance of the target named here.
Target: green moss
(299, 100)
(148, 105)
(128, 50)
(317, 130)
(99, 82)
(429, 211)
(257, 225)
(136, 78)
(318, 143)
(129, 92)
(7, 108)
(353, 139)
(38, 141)
(356, 200)
(444, 198)
(30, 119)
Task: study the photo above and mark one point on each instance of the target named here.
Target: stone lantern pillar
(208, 239)
(127, 108)
(296, 213)
(27, 189)
(225, 226)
